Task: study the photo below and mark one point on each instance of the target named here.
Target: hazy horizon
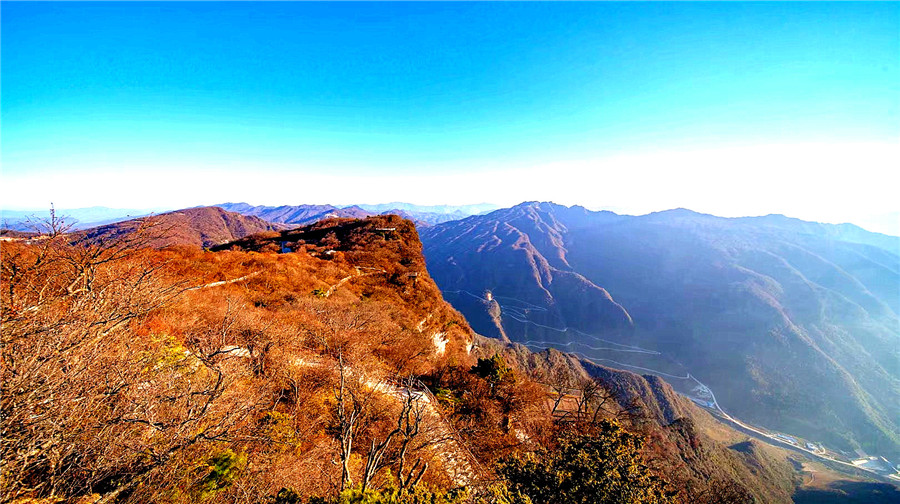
(890, 224)
(732, 109)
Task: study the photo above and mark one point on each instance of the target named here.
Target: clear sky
(725, 108)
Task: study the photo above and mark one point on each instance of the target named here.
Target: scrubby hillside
(179, 375)
(374, 252)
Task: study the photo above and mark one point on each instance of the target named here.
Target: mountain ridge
(774, 296)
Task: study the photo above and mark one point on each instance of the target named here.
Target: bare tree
(408, 426)
(593, 401)
(349, 408)
(561, 383)
(409, 422)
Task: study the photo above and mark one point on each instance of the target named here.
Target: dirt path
(346, 279)
(224, 282)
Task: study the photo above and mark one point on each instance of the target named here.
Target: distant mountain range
(209, 226)
(306, 214)
(295, 214)
(793, 325)
(475, 209)
(86, 218)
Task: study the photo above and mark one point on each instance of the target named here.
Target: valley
(644, 361)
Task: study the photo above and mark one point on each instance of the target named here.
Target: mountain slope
(244, 357)
(201, 227)
(790, 325)
(518, 259)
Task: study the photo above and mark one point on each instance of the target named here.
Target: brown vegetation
(121, 371)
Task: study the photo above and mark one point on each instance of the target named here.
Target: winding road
(519, 314)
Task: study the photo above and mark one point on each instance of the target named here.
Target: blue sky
(727, 108)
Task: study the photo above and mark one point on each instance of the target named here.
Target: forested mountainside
(318, 362)
(200, 226)
(793, 325)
